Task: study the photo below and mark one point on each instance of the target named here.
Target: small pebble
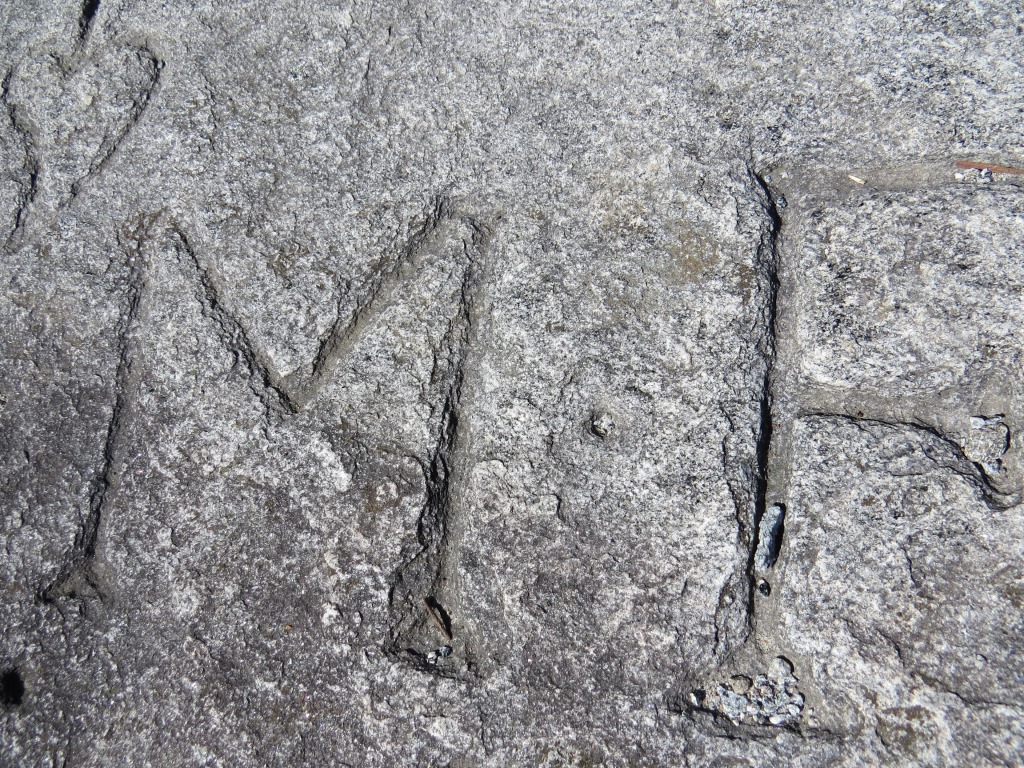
(602, 424)
(780, 668)
(740, 684)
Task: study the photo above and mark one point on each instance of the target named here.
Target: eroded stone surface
(905, 305)
(911, 292)
(899, 593)
(389, 384)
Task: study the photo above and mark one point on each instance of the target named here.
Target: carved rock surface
(497, 383)
(900, 593)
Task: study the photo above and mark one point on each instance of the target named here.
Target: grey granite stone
(489, 383)
(900, 595)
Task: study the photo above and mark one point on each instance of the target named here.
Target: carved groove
(768, 256)
(83, 573)
(424, 594)
(233, 335)
(30, 186)
(152, 66)
(64, 70)
(292, 393)
(426, 628)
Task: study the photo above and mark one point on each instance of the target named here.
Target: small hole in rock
(12, 688)
(89, 9)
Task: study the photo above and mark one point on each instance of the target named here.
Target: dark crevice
(86, 18)
(768, 258)
(692, 706)
(12, 687)
(770, 532)
(440, 616)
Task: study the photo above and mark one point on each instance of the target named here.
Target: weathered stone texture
(602, 383)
